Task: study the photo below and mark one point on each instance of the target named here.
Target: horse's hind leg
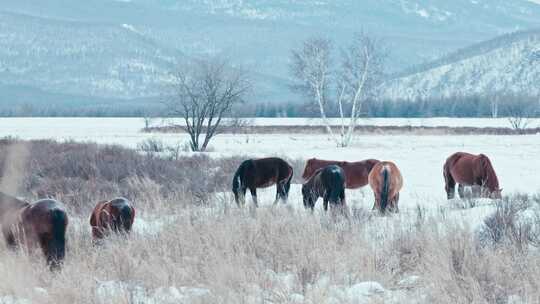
(376, 203)
(342, 197)
(282, 191)
(396, 203)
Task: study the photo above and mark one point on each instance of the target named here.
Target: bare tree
(357, 78)
(206, 90)
(519, 114)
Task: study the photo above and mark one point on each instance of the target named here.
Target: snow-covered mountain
(508, 64)
(126, 48)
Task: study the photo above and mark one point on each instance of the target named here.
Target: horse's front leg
(254, 196)
(325, 203)
(477, 191)
(461, 191)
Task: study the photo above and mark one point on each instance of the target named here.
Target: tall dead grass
(237, 255)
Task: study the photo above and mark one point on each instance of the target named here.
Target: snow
(126, 131)
(115, 291)
(13, 300)
(510, 68)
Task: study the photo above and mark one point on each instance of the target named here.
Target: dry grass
(234, 253)
(243, 256)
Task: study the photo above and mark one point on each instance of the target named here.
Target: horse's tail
(385, 173)
(338, 186)
(448, 178)
(237, 180)
(57, 244)
(287, 183)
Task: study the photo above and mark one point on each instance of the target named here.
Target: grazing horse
(261, 173)
(328, 183)
(470, 170)
(42, 223)
(386, 181)
(116, 216)
(356, 173)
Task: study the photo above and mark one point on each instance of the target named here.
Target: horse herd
(329, 179)
(43, 223)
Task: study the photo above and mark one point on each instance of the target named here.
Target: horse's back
(45, 217)
(45, 206)
(462, 166)
(268, 171)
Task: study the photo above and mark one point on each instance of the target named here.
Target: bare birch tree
(206, 90)
(356, 78)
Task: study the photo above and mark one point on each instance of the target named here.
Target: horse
(386, 181)
(115, 216)
(42, 223)
(356, 173)
(262, 173)
(468, 169)
(328, 183)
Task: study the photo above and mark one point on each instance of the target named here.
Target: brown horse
(470, 170)
(116, 216)
(386, 181)
(328, 183)
(261, 173)
(356, 173)
(42, 224)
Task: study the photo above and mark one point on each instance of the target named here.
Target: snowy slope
(136, 38)
(509, 66)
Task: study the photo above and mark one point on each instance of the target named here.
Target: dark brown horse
(386, 181)
(42, 224)
(470, 170)
(116, 216)
(328, 183)
(356, 173)
(262, 173)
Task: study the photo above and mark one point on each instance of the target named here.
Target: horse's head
(496, 194)
(121, 216)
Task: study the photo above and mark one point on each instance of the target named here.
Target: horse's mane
(490, 176)
(8, 202)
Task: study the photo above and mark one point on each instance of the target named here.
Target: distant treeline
(473, 106)
(30, 110)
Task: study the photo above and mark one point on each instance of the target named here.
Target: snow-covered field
(420, 159)
(126, 130)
